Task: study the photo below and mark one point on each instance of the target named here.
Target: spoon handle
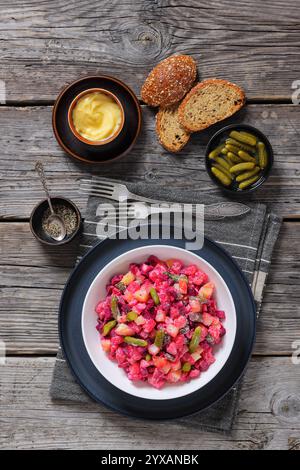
(39, 167)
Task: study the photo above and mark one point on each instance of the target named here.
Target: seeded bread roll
(169, 81)
(209, 102)
(170, 133)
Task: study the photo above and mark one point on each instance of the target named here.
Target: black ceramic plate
(103, 391)
(97, 153)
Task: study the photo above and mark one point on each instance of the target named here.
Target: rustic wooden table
(46, 44)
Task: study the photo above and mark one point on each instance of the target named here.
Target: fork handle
(215, 211)
(218, 210)
(166, 210)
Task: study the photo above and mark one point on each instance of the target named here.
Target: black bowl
(97, 154)
(220, 136)
(36, 221)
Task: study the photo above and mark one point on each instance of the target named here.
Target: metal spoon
(53, 219)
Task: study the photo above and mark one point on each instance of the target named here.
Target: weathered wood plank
(20, 248)
(268, 416)
(32, 278)
(27, 136)
(46, 44)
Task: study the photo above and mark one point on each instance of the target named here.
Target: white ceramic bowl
(109, 369)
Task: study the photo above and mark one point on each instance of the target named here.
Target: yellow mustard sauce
(96, 116)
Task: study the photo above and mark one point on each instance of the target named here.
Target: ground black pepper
(68, 215)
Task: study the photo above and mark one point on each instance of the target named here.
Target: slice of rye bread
(209, 102)
(171, 135)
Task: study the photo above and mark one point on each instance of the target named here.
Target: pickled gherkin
(246, 183)
(135, 341)
(222, 177)
(154, 296)
(221, 161)
(114, 307)
(176, 277)
(262, 155)
(230, 163)
(121, 286)
(159, 338)
(131, 316)
(108, 327)
(245, 156)
(194, 343)
(244, 138)
(214, 153)
(233, 158)
(247, 174)
(232, 148)
(223, 170)
(240, 145)
(249, 135)
(186, 367)
(242, 167)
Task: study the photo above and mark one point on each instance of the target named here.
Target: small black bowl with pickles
(239, 158)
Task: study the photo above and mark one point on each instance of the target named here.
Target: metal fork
(139, 210)
(112, 190)
(119, 192)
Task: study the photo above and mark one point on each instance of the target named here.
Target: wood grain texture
(27, 136)
(32, 279)
(268, 414)
(46, 44)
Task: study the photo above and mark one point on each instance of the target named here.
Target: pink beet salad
(160, 322)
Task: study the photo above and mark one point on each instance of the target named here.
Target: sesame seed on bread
(209, 102)
(172, 136)
(169, 81)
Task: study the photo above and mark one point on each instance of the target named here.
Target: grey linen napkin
(249, 239)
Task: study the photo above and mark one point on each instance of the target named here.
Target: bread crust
(182, 107)
(169, 81)
(158, 123)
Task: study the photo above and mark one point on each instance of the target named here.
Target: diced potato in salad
(160, 322)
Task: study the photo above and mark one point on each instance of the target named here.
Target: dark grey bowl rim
(266, 172)
(65, 240)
